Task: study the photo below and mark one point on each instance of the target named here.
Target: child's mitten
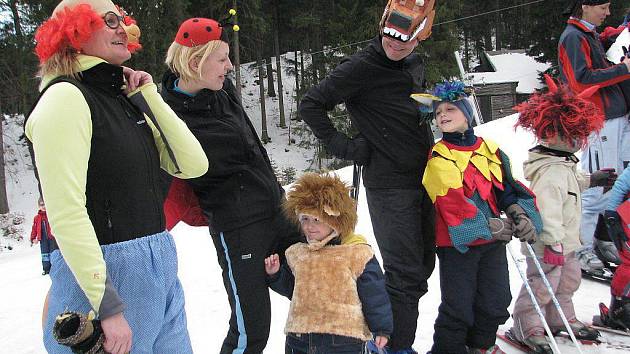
(553, 255)
(501, 229)
(523, 226)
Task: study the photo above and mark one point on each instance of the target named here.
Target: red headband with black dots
(199, 31)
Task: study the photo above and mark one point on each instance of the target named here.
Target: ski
(611, 330)
(605, 276)
(567, 337)
(610, 333)
(600, 326)
(509, 338)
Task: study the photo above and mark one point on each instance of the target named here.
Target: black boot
(618, 316)
(580, 330)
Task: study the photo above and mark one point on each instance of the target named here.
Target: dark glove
(605, 177)
(356, 149)
(523, 226)
(78, 332)
(501, 229)
(553, 255)
(615, 229)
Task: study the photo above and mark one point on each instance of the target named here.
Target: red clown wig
(73, 26)
(559, 112)
(69, 28)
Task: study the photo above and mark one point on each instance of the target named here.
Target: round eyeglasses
(112, 19)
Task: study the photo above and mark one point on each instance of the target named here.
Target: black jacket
(240, 186)
(123, 195)
(376, 92)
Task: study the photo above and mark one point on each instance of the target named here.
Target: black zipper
(125, 105)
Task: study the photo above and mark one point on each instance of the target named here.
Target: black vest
(124, 198)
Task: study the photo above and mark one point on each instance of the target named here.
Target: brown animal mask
(406, 20)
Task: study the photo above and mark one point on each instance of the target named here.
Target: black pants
(316, 343)
(241, 255)
(403, 222)
(475, 296)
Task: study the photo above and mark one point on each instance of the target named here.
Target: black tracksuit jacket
(376, 92)
(240, 186)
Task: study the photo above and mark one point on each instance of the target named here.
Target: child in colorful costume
(336, 285)
(562, 122)
(470, 183)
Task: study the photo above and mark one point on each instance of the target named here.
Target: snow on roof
(511, 66)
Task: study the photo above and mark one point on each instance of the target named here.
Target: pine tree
(288, 175)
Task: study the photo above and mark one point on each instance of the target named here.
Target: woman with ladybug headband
(239, 198)
(100, 134)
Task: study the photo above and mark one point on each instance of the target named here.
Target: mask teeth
(394, 33)
(419, 2)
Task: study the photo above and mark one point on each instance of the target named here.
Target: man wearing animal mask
(392, 145)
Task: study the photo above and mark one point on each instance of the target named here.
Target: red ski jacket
(36, 231)
(181, 204)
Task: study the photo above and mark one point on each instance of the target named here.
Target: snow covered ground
(23, 286)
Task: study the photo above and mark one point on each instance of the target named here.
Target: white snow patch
(512, 67)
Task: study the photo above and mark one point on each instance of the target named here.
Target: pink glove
(553, 255)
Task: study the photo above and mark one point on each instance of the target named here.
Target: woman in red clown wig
(240, 197)
(100, 135)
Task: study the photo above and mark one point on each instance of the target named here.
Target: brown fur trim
(325, 197)
(325, 297)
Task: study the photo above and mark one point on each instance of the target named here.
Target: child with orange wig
(562, 122)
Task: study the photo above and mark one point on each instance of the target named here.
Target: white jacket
(558, 187)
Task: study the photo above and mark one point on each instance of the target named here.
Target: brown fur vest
(325, 297)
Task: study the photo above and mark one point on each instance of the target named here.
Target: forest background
(312, 36)
(319, 31)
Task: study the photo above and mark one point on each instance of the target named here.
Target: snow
(509, 67)
(24, 288)
(284, 153)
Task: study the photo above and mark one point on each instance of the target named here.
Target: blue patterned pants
(144, 272)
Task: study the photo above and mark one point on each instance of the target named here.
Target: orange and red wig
(560, 112)
(72, 27)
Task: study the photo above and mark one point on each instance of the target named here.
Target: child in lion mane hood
(336, 286)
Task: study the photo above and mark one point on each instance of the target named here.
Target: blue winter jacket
(619, 190)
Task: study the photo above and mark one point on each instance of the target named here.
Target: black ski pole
(356, 181)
